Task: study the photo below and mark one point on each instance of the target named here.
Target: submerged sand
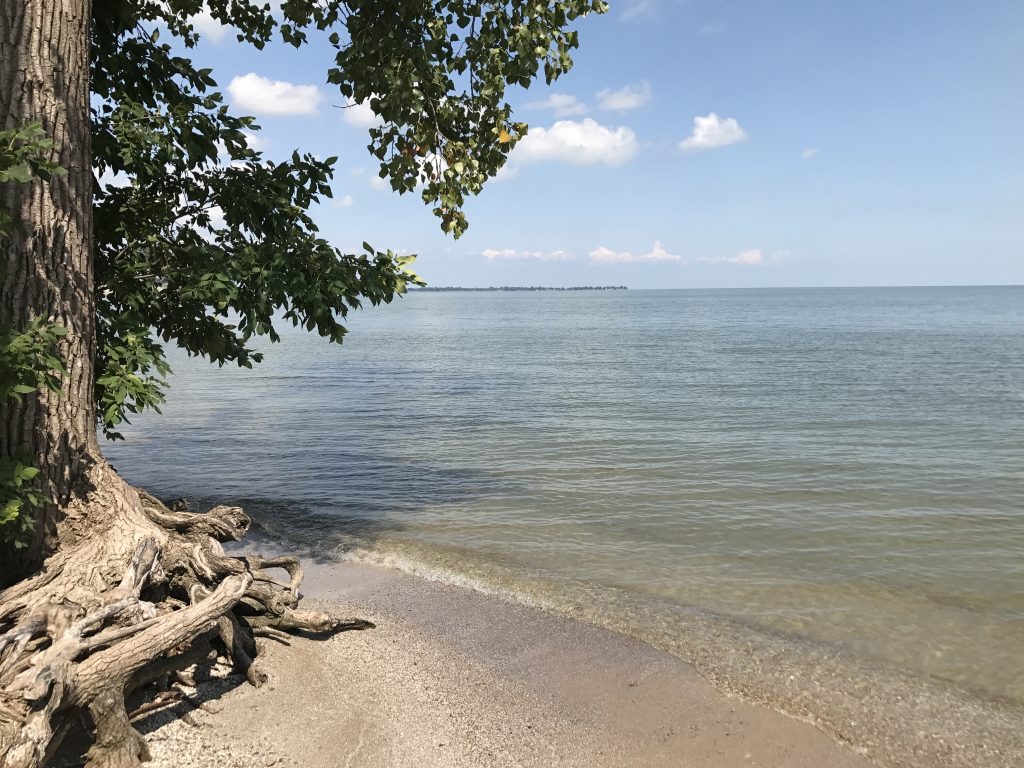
(454, 678)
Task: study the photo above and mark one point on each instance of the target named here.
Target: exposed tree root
(136, 593)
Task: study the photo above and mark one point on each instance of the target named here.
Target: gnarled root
(136, 594)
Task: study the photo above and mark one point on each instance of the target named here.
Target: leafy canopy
(202, 239)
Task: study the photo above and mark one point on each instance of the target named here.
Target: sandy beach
(452, 678)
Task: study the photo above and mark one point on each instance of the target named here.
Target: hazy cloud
(581, 143)
(345, 201)
(638, 9)
(604, 255)
(562, 104)
(510, 254)
(711, 132)
(260, 95)
(629, 97)
(808, 153)
(752, 258)
(712, 30)
(601, 255)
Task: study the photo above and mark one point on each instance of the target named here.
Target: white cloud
(581, 143)
(110, 179)
(429, 167)
(357, 171)
(629, 97)
(207, 26)
(752, 258)
(360, 114)
(217, 218)
(713, 131)
(509, 254)
(562, 104)
(808, 153)
(604, 255)
(273, 97)
(345, 201)
(256, 142)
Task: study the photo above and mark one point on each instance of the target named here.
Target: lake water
(816, 496)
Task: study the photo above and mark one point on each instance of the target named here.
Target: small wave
(886, 713)
(442, 575)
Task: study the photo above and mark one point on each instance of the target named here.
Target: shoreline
(453, 677)
(809, 537)
(893, 715)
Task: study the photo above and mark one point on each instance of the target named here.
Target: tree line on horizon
(455, 288)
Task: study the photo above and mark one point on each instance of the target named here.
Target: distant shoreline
(453, 288)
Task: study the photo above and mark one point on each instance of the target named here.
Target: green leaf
(20, 173)
(168, 272)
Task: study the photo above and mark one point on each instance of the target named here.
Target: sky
(707, 144)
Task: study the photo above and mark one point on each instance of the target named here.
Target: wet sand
(454, 678)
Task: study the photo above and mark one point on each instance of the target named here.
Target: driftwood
(136, 593)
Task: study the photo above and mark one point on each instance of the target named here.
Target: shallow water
(833, 473)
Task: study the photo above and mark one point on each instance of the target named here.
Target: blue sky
(710, 143)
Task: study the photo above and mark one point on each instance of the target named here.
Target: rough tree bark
(130, 592)
(44, 78)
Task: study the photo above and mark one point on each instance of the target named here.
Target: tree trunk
(130, 592)
(44, 78)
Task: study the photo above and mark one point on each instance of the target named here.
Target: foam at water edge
(443, 576)
(883, 712)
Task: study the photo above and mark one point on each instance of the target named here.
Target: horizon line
(707, 288)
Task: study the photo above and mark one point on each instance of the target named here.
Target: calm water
(817, 496)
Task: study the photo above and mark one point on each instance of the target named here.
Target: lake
(815, 495)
